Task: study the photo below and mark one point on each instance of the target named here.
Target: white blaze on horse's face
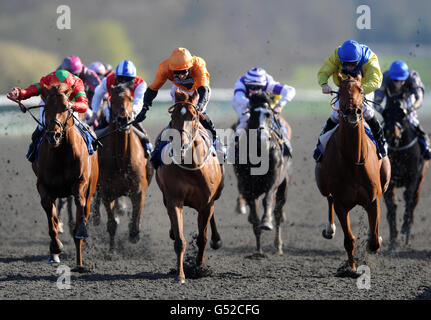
(183, 111)
(263, 114)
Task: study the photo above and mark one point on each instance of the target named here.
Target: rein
(24, 109)
(192, 137)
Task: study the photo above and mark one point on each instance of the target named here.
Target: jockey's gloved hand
(326, 89)
(200, 107)
(277, 109)
(142, 115)
(14, 93)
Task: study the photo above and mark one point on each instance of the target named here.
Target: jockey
(124, 73)
(254, 81)
(89, 77)
(401, 83)
(352, 58)
(99, 68)
(188, 73)
(78, 99)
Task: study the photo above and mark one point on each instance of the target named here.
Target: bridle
(62, 125)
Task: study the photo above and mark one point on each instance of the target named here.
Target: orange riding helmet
(180, 59)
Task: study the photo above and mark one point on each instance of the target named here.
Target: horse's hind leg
(60, 205)
(138, 201)
(204, 218)
(329, 231)
(48, 205)
(175, 212)
(216, 242)
(112, 223)
(349, 238)
(268, 203)
(241, 205)
(70, 214)
(391, 206)
(280, 200)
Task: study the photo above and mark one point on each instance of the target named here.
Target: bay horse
(197, 184)
(350, 172)
(273, 184)
(64, 167)
(124, 170)
(409, 167)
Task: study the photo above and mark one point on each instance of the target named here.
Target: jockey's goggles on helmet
(178, 72)
(254, 87)
(123, 79)
(350, 64)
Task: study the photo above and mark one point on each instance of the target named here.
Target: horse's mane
(122, 87)
(260, 99)
(181, 96)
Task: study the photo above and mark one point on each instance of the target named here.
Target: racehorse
(124, 170)
(197, 184)
(273, 184)
(409, 167)
(350, 172)
(64, 167)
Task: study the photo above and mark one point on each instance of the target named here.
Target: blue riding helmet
(350, 51)
(399, 70)
(126, 68)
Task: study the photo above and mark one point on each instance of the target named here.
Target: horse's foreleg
(241, 205)
(391, 216)
(349, 238)
(70, 214)
(80, 229)
(204, 218)
(254, 220)
(280, 200)
(268, 204)
(60, 205)
(329, 231)
(385, 173)
(175, 212)
(374, 241)
(48, 205)
(138, 202)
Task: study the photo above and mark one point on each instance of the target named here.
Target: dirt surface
(144, 270)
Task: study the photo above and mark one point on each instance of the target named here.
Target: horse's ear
(340, 77)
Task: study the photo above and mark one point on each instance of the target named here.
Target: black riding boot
(145, 140)
(425, 142)
(377, 131)
(282, 133)
(329, 125)
(35, 137)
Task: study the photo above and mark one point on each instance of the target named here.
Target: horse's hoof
(80, 269)
(81, 233)
(216, 244)
(60, 228)
(327, 236)
(134, 238)
(54, 258)
(266, 226)
(241, 209)
(180, 281)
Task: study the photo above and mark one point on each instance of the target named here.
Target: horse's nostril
(57, 136)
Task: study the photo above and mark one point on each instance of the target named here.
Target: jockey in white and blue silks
(256, 80)
(399, 82)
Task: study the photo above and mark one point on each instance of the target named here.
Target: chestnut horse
(350, 172)
(64, 167)
(272, 184)
(409, 167)
(124, 170)
(196, 185)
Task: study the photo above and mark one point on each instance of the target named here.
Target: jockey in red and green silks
(78, 98)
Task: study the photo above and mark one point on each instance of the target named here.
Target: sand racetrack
(143, 270)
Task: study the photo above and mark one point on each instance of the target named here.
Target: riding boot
(424, 142)
(377, 131)
(32, 149)
(145, 140)
(155, 160)
(329, 125)
(209, 125)
(282, 132)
